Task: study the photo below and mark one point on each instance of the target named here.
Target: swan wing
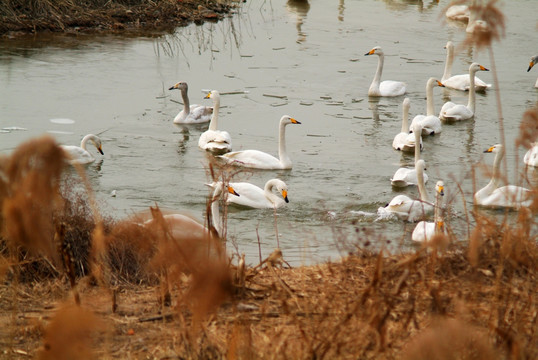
(77, 155)
(405, 142)
(250, 196)
(423, 232)
(215, 140)
(462, 82)
(509, 196)
(253, 159)
(198, 114)
(531, 156)
(455, 112)
(392, 88)
(458, 13)
(405, 177)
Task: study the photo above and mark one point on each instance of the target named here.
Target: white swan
(509, 196)
(79, 154)
(255, 197)
(425, 230)
(430, 123)
(457, 112)
(404, 177)
(387, 87)
(185, 227)
(531, 156)
(409, 209)
(458, 13)
(213, 140)
(261, 160)
(404, 141)
(534, 60)
(191, 114)
(459, 82)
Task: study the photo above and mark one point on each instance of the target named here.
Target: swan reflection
(300, 8)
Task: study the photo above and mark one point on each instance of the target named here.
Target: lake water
(310, 56)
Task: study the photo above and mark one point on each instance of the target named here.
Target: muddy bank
(23, 17)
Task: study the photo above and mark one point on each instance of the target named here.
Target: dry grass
(76, 15)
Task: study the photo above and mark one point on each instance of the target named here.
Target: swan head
(213, 94)
(377, 51)
(282, 189)
(434, 82)
(96, 141)
(440, 188)
(477, 67)
(420, 166)
(180, 86)
(533, 62)
(494, 149)
(416, 128)
(286, 119)
(406, 103)
(218, 187)
(449, 45)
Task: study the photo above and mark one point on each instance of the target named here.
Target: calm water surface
(310, 56)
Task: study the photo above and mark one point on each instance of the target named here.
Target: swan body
(509, 196)
(531, 156)
(430, 123)
(190, 114)
(425, 230)
(387, 87)
(213, 140)
(81, 155)
(459, 82)
(409, 209)
(185, 227)
(533, 62)
(458, 13)
(458, 112)
(404, 141)
(404, 177)
(261, 160)
(255, 197)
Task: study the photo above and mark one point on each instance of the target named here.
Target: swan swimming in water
(261, 160)
(458, 112)
(213, 140)
(509, 196)
(387, 87)
(404, 177)
(458, 13)
(425, 230)
(430, 123)
(79, 154)
(185, 227)
(459, 82)
(409, 209)
(190, 114)
(255, 197)
(404, 141)
(534, 60)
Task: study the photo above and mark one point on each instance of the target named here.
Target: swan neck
(448, 64)
(472, 92)
(497, 167)
(405, 119)
(215, 211)
(268, 191)
(213, 124)
(418, 135)
(421, 187)
(429, 97)
(186, 103)
(282, 153)
(379, 70)
(85, 140)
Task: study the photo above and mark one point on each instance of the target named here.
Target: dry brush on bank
(30, 16)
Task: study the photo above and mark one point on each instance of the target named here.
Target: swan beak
(208, 95)
(530, 66)
(174, 87)
(489, 150)
(483, 68)
(232, 191)
(371, 52)
(440, 84)
(293, 121)
(285, 196)
(100, 150)
(441, 190)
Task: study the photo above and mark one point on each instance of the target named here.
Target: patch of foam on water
(60, 132)
(14, 128)
(62, 121)
(384, 214)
